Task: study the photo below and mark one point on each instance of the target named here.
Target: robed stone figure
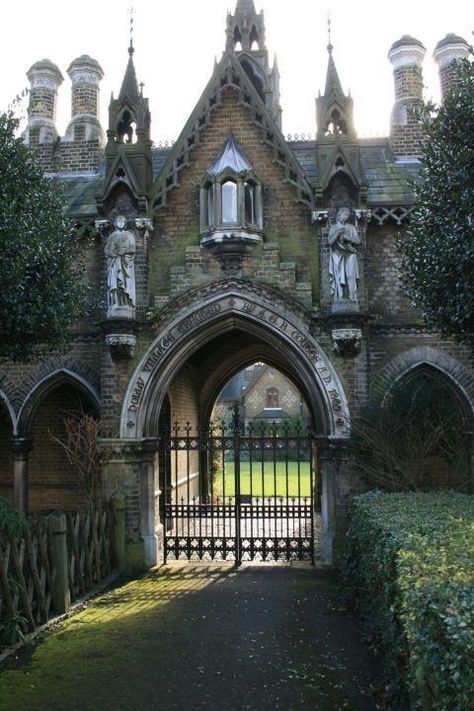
(120, 255)
(343, 260)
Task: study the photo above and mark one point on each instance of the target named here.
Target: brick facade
(199, 317)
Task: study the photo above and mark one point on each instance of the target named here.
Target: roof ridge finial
(131, 48)
(330, 46)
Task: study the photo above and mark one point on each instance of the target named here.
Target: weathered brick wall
(387, 342)
(286, 223)
(406, 134)
(42, 103)
(385, 292)
(263, 265)
(53, 483)
(84, 99)
(6, 457)
(69, 156)
(406, 140)
(183, 394)
(408, 82)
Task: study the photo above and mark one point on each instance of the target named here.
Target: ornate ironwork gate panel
(239, 493)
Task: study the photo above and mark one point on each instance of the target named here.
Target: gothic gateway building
(231, 247)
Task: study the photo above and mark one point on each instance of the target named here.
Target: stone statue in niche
(343, 260)
(120, 255)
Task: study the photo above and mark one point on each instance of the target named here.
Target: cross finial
(130, 48)
(330, 47)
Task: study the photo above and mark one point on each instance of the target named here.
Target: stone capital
(121, 345)
(21, 447)
(347, 341)
(130, 450)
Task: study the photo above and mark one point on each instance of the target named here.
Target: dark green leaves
(438, 250)
(42, 288)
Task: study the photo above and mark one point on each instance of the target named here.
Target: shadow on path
(200, 637)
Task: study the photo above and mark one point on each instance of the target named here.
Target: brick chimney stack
(85, 74)
(447, 50)
(406, 57)
(45, 78)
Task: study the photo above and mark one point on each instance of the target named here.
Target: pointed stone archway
(278, 326)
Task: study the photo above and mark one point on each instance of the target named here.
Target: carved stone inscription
(179, 330)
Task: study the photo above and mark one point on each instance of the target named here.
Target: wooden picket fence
(89, 538)
(28, 569)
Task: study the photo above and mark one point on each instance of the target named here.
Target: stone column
(21, 450)
(150, 526)
(330, 454)
(132, 471)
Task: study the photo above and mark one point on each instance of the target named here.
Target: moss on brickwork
(177, 223)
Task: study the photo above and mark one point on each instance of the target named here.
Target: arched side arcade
(436, 380)
(35, 468)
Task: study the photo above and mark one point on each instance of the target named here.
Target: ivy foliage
(42, 287)
(409, 567)
(12, 522)
(438, 249)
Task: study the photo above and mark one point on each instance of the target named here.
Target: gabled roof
(232, 157)
(127, 177)
(350, 162)
(388, 180)
(228, 74)
(79, 193)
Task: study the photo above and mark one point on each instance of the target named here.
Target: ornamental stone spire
(129, 87)
(129, 115)
(334, 110)
(246, 39)
(246, 28)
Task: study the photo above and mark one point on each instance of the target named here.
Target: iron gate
(238, 493)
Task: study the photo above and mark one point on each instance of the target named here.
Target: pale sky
(176, 42)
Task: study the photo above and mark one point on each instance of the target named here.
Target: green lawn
(271, 472)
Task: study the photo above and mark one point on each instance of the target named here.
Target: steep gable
(229, 75)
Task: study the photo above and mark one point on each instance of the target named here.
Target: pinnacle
(130, 83)
(245, 6)
(333, 83)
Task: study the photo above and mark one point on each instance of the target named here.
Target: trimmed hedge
(409, 569)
